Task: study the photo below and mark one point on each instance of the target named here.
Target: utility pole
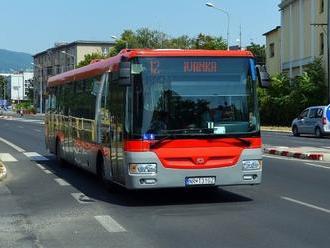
(240, 37)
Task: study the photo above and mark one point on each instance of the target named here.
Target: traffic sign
(328, 113)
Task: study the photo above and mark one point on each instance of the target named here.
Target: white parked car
(313, 120)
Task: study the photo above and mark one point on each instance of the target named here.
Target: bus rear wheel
(59, 158)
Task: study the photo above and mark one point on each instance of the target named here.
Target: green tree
(284, 100)
(147, 38)
(181, 42)
(88, 58)
(3, 87)
(311, 85)
(30, 92)
(209, 42)
(259, 52)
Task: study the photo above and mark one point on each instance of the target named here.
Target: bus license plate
(191, 181)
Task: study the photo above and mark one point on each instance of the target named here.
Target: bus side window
(105, 113)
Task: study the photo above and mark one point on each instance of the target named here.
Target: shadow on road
(89, 185)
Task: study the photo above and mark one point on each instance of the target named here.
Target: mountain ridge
(14, 61)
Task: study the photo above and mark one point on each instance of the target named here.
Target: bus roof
(102, 66)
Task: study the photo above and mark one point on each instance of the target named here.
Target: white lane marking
(6, 157)
(47, 171)
(35, 156)
(37, 130)
(318, 166)
(306, 204)
(81, 198)
(41, 167)
(21, 127)
(31, 121)
(61, 182)
(109, 223)
(17, 148)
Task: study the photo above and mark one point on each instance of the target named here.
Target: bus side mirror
(263, 76)
(125, 73)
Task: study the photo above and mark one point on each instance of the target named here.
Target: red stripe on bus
(195, 153)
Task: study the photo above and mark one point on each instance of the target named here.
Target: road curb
(275, 130)
(3, 171)
(294, 154)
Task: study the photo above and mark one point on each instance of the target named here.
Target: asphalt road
(287, 139)
(47, 206)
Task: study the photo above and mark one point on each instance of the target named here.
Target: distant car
(312, 120)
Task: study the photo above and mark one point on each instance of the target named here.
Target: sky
(33, 26)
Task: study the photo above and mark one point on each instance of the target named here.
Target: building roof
(271, 31)
(285, 3)
(63, 45)
(102, 66)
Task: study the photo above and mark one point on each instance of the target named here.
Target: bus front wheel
(101, 174)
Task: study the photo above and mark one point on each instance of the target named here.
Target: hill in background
(17, 61)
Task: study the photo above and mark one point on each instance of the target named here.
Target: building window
(321, 6)
(321, 43)
(271, 50)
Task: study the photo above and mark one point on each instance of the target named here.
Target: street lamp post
(70, 55)
(116, 38)
(41, 85)
(211, 5)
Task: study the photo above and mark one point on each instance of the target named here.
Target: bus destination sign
(200, 67)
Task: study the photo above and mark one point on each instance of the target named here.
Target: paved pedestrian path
(22, 119)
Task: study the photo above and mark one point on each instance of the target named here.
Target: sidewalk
(10, 114)
(3, 171)
(310, 153)
(276, 129)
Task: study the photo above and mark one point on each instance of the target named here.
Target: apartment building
(300, 39)
(17, 86)
(60, 58)
(273, 50)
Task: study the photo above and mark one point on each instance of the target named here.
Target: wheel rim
(295, 130)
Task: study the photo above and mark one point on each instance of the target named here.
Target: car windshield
(209, 96)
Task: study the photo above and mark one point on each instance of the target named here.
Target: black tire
(100, 172)
(59, 158)
(295, 131)
(318, 132)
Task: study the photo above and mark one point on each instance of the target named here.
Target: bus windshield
(193, 96)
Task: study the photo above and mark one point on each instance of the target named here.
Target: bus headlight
(251, 165)
(144, 169)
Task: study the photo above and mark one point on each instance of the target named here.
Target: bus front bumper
(179, 178)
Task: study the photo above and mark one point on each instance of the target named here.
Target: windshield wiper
(245, 142)
(209, 131)
(191, 131)
(158, 142)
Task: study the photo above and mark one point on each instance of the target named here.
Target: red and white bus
(160, 118)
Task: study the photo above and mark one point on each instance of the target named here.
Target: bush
(285, 99)
(27, 107)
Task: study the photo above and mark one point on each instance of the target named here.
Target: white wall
(18, 84)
